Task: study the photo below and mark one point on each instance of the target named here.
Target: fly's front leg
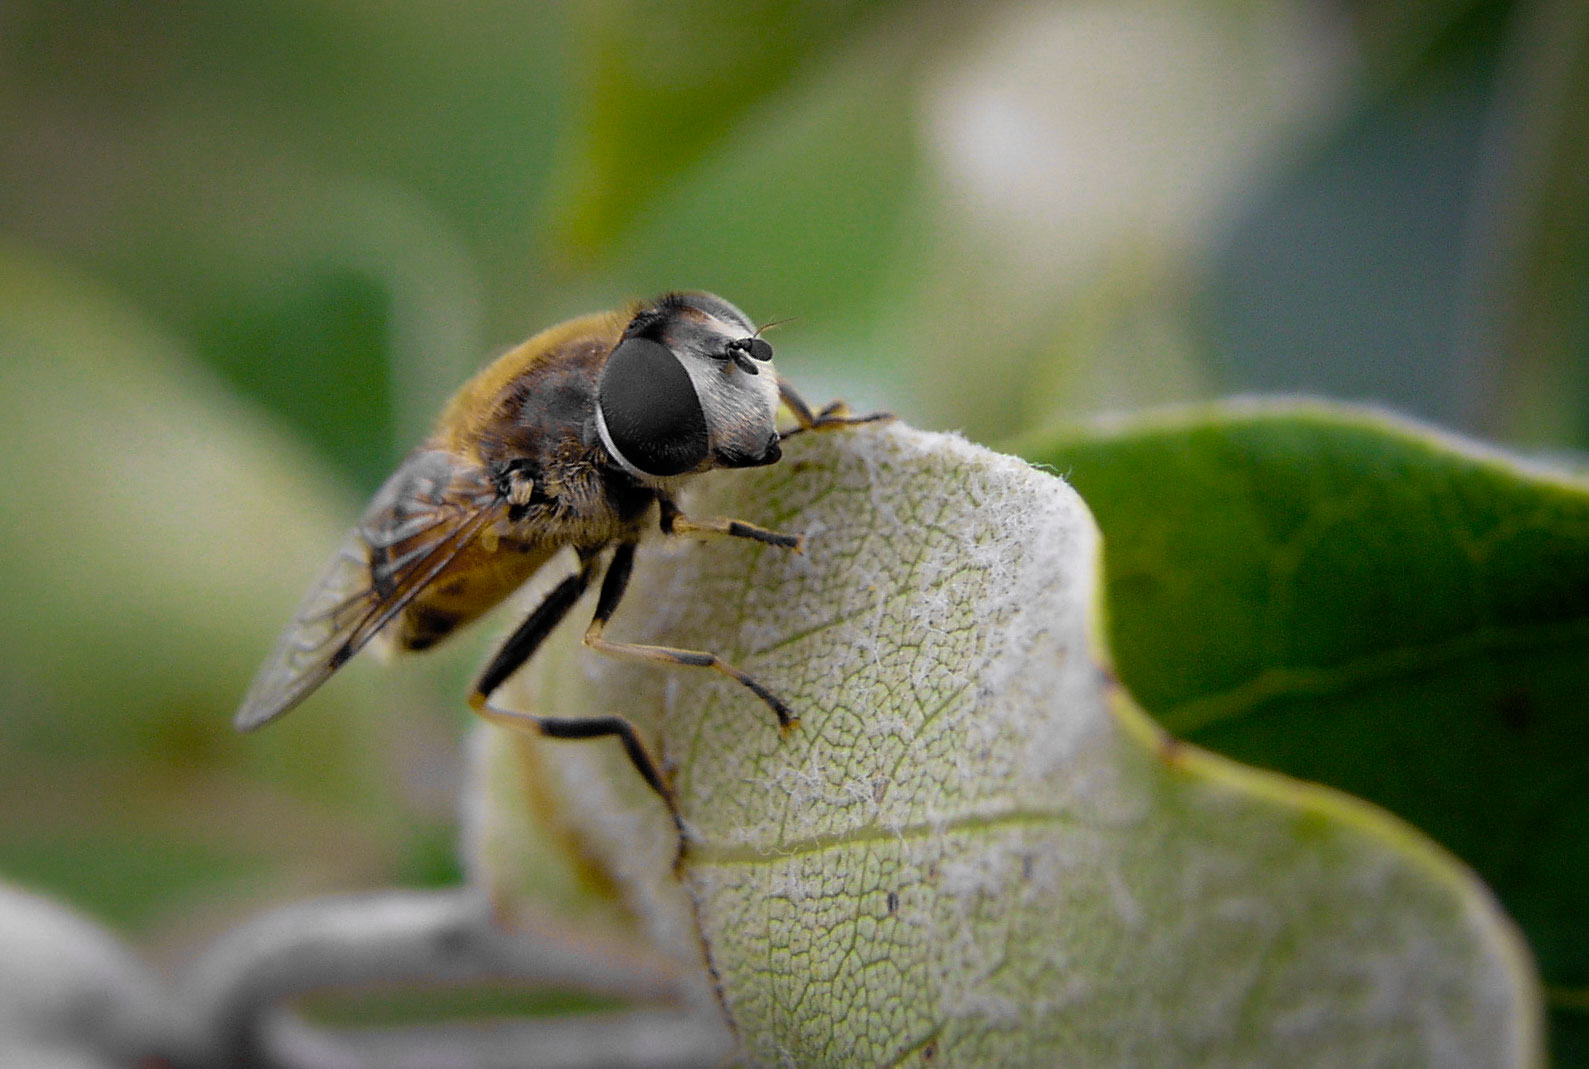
(518, 649)
(836, 414)
(612, 591)
(675, 522)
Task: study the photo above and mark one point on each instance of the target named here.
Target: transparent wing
(421, 519)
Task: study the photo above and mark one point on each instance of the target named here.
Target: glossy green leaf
(1358, 600)
(1365, 602)
(975, 848)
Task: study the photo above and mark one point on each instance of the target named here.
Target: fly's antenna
(770, 324)
(741, 350)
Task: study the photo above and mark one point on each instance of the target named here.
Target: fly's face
(689, 387)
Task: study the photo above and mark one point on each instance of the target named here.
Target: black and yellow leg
(527, 638)
(836, 414)
(612, 591)
(586, 727)
(675, 522)
(518, 649)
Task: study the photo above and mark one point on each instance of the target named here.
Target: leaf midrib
(750, 854)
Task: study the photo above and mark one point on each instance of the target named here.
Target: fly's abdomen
(472, 585)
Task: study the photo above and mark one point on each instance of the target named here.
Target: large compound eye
(649, 405)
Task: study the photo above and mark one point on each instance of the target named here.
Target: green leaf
(1527, 320)
(136, 571)
(657, 91)
(975, 847)
(853, 209)
(157, 535)
(1358, 600)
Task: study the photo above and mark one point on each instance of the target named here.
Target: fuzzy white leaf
(975, 848)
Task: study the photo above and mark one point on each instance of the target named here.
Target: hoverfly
(580, 437)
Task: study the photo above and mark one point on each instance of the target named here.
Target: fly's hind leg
(836, 414)
(589, 727)
(612, 591)
(518, 649)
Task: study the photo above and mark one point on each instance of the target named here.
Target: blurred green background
(246, 251)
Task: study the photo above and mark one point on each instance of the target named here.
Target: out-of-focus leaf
(823, 192)
(975, 848)
(1355, 599)
(150, 517)
(306, 194)
(158, 534)
(1527, 300)
(660, 87)
(1408, 42)
(1087, 158)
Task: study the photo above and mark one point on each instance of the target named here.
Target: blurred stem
(639, 1040)
(430, 938)
(1520, 376)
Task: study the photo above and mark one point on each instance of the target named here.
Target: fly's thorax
(579, 504)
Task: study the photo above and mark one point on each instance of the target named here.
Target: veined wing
(427, 513)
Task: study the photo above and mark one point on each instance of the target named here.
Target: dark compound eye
(652, 413)
(760, 348)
